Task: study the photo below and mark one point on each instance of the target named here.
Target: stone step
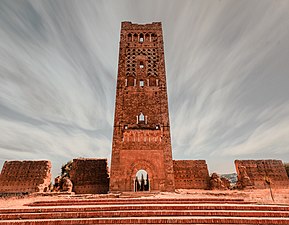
(133, 200)
(136, 201)
(142, 213)
(135, 207)
(151, 220)
(148, 199)
(146, 211)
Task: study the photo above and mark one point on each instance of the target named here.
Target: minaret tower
(141, 133)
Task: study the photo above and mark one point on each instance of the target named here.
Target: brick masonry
(259, 170)
(191, 174)
(25, 176)
(90, 176)
(141, 136)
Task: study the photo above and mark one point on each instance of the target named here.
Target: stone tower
(141, 136)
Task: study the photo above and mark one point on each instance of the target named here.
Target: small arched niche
(141, 182)
(129, 37)
(135, 37)
(147, 37)
(152, 81)
(154, 37)
(141, 118)
(130, 81)
(141, 38)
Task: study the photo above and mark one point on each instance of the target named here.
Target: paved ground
(281, 196)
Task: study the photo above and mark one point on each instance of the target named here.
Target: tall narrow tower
(141, 136)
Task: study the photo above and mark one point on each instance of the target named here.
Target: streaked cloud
(227, 69)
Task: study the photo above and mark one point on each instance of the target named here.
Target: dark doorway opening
(141, 182)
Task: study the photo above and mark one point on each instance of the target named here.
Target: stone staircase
(145, 211)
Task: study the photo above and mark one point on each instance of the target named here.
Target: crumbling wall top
(126, 25)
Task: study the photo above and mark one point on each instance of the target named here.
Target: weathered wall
(191, 174)
(90, 176)
(25, 176)
(141, 137)
(259, 170)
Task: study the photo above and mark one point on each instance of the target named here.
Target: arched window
(141, 83)
(147, 37)
(141, 65)
(130, 81)
(141, 117)
(154, 37)
(152, 81)
(141, 38)
(129, 37)
(135, 37)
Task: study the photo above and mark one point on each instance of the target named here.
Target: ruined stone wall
(90, 176)
(191, 174)
(259, 170)
(25, 176)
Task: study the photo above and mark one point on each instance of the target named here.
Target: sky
(227, 65)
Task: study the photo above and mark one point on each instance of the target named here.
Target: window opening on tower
(129, 37)
(141, 38)
(147, 37)
(135, 37)
(141, 117)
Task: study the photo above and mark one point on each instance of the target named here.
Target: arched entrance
(147, 169)
(141, 182)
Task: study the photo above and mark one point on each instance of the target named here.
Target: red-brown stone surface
(90, 176)
(260, 171)
(218, 183)
(191, 174)
(25, 176)
(141, 137)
